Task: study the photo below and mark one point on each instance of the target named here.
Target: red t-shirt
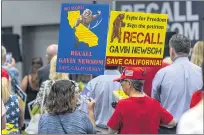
(139, 115)
(196, 98)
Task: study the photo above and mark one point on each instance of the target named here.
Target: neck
(179, 56)
(136, 94)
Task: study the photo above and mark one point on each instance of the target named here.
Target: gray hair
(138, 84)
(59, 100)
(180, 43)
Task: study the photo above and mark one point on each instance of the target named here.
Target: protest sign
(184, 17)
(119, 94)
(82, 39)
(136, 39)
(22, 95)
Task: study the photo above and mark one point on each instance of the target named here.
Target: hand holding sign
(91, 104)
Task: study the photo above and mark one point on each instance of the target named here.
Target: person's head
(197, 54)
(111, 67)
(5, 85)
(36, 64)
(179, 46)
(132, 80)
(53, 74)
(51, 51)
(87, 13)
(3, 54)
(63, 97)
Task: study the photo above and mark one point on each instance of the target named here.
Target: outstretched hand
(91, 104)
(99, 12)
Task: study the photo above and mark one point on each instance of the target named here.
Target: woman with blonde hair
(198, 53)
(14, 108)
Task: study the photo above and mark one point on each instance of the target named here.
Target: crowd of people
(165, 100)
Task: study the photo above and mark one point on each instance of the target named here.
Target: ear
(129, 84)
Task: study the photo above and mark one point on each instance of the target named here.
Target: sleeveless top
(31, 95)
(12, 111)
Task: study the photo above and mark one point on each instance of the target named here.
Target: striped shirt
(77, 122)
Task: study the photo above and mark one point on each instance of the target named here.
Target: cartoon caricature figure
(85, 18)
(117, 25)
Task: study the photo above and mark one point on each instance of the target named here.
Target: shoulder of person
(48, 84)
(92, 82)
(44, 68)
(154, 101)
(80, 112)
(196, 66)
(165, 70)
(123, 102)
(15, 97)
(12, 71)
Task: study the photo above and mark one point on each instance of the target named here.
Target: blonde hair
(53, 74)
(6, 89)
(3, 53)
(198, 53)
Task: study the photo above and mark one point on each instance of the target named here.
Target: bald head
(51, 51)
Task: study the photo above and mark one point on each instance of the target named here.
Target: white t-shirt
(3, 109)
(192, 121)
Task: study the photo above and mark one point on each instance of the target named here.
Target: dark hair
(36, 64)
(59, 100)
(111, 67)
(180, 43)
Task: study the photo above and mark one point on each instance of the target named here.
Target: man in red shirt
(138, 114)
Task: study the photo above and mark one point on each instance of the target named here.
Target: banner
(184, 17)
(136, 39)
(83, 38)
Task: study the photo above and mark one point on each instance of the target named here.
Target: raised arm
(96, 15)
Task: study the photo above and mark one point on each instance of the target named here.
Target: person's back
(13, 111)
(70, 123)
(101, 90)
(179, 81)
(174, 85)
(43, 74)
(141, 115)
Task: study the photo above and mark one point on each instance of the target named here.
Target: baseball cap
(4, 73)
(133, 73)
